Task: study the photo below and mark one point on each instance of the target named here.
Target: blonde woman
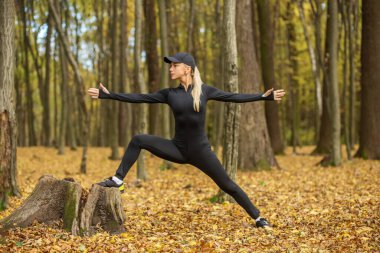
(190, 144)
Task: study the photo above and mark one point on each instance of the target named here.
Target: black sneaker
(263, 223)
(108, 182)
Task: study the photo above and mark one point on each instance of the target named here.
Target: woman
(190, 144)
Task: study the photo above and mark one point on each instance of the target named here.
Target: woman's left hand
(277, 94)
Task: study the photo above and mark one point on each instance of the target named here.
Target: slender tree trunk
(345, 16)
(164, 69)
(20, 111)
(114, 136)
(63, 96)
(352, 35)
(314, 66)
(332, 71)
(324, 143)
(232, 115)
(190, 26)
(55, 94)
(293, 80)
(80, 90)
(63, 92)
(46, 129)
(164, 109)
(152, 62)
(143, 116)
(124, 108)
(255, 150)
(29, 92)
(369, 138)
(218, 39)
(267, 69)
(102, 63)
(8, 122)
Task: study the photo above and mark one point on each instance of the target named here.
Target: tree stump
(82, 212)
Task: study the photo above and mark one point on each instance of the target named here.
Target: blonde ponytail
(197, 89)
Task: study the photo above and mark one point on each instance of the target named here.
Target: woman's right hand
(94, 92)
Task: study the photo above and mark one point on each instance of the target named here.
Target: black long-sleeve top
(188, 122)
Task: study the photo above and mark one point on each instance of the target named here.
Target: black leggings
(204, 159)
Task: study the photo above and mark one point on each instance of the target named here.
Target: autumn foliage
(313, 208)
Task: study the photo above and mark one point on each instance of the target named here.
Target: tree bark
(190, 27)
(344, 10)
(64, 96)
(267, 70)
(8, 122)
(114, 136)
(165, 67)
(255, 150)
(232, 114)
(46, 129)
(152, 62)
(314, 67)
(369, 138)
(324, 143)
(143, 116)
(293, 80)
(124, 108)
(332, 71)
(29, 92)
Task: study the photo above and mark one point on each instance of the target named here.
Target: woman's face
(178, 70)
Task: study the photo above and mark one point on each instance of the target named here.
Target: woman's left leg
(208, 162)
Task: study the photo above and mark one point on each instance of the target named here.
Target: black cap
(186, 58)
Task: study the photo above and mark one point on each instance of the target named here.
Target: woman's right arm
(156, 97)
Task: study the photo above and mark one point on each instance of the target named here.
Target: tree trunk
(190, 26)
(124, 108)
(165, 67)
(218, 117)
(114, 136)
(8, 122)
(82, 212)
(46, 129)
(344, 10)
(152, 62)
(143, 116)
(369, 138)
(79, 87)
(267, 69)
(332, 72)
(314, 66)
(324, 143)
(164, 109)
(64, 96)
(255, 150)
(232, 115)
(32, 140)
(352, 37)
(293, 80)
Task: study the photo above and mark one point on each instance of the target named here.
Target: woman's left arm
(214, 93)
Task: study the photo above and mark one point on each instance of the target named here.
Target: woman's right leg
(158, 146)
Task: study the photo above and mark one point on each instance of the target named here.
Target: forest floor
(313, 208)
